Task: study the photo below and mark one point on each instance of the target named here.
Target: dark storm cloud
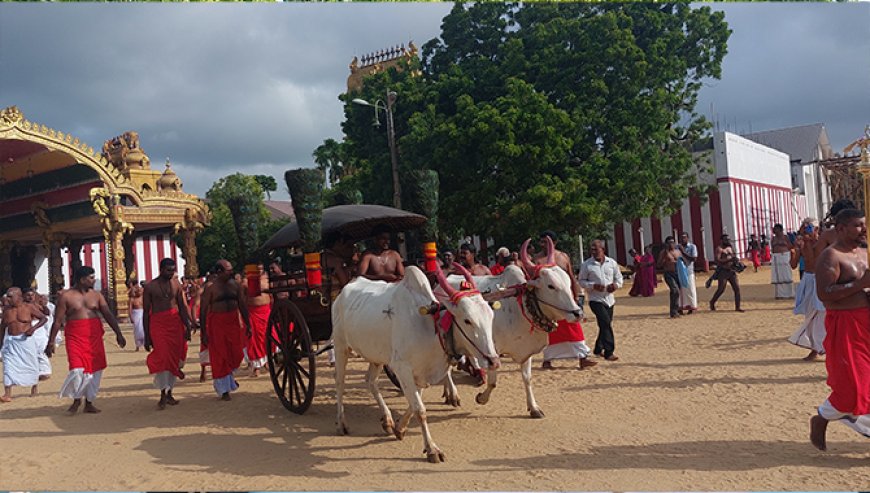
(791, 64)
(253, 88)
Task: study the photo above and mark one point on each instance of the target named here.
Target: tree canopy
(566, 116)
(235, 235)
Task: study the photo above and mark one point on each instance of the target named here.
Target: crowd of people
(231, 315)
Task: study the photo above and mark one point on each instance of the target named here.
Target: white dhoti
(40, 340)
(138, 328)
(689, 294)
(79, 384)
(860, 423)
(566, 350)
(164, 380)
(781, 275)
(20, 363)
(811, 333)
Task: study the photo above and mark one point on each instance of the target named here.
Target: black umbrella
(355, 221)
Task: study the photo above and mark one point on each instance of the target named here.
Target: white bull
(517, 330)
(382, 322)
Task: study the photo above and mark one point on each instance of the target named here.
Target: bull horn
(527, 264)
(467, 275)
(551, 251)
(442, 281)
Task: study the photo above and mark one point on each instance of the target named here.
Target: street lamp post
(391, 139)
(394, 156)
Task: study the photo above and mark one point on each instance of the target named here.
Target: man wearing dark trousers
(600, 276)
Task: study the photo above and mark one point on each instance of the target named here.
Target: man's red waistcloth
(566, 332)
(259, 320)
(84, 344)
(167, 340)
(226, 342)
(847, 344)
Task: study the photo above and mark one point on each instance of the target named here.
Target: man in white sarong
(20, 360)
(780, 264)
(40, 335)
(136, 311)
(688, 292)
(811, 333)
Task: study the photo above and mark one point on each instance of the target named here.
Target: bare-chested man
(19, 349)
(842, 281)
(780, 264)
(568, 340)
(258, 310)
(667, 262)
(381, 263)
(136, 311)
(167, 326)
(222, 304)
(725, 272)
(274, 271)
(78, 311)
(811, 333)
(40, 335)
(468, 258)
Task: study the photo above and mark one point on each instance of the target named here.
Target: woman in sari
(645, 280)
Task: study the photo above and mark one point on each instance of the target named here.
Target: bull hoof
(400, 434)
(537, 414)
(452, 401)
(388, 425)
(435, 457)
(342, 430)
(481, 398)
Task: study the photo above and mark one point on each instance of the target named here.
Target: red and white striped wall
(148, 251)
(738, 208)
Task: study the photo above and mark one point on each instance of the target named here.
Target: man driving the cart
(382, 263)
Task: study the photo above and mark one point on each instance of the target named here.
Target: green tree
(235, 235)
(567, 116)
(268, 184)
(329, 158)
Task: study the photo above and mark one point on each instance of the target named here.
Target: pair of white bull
(383, 323)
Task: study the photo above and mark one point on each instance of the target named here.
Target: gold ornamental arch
(130, 197)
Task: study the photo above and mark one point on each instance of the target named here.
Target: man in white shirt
(600, 277)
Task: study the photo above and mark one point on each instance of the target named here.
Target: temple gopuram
(377, 62)
(64, 204)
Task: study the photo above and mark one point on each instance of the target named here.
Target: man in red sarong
(223, 303)
(567, 341)
(167, 326)
(78, 312)
(842, 277)
(258, 309)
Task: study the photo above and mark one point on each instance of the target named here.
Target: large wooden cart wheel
(290, 356)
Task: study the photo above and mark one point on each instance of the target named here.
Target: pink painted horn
(527, 264)
(467, 275)
(551, 250)
(442, 281)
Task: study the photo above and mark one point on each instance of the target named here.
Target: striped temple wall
(738, 207)
(148, 250)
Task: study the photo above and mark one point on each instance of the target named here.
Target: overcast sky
(253, 88)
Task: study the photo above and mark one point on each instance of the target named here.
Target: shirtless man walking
(381, 263)
(668, 259)
(19, 349)
(842, 278)
(78, 311)
(222, 304)
(167, 326)
(136, 311)
(811, 333)
(258, 310)
(725, 272)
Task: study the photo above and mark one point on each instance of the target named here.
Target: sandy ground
(712, 401)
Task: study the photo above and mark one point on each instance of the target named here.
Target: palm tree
(328, 157)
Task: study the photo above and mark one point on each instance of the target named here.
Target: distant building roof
(279, 209)
(807, 142)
